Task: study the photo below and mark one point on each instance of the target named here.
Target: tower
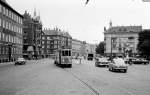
(110, 24)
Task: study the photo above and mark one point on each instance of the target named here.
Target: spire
(110, 23)
(34, 15)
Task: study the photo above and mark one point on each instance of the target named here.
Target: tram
(63, 58)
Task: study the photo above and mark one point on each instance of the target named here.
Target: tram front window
(66, 53)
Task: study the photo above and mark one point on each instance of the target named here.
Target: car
(20, 61)
(102, 62)
(118, 64)
(129, 60)
(140, 61)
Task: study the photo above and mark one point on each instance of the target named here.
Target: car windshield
(103, 59)
(20, 59)
(119, 61)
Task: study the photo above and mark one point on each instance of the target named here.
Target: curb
(6, 63)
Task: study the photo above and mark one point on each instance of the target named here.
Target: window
(0, 35)
(4, 10)
(0, 22)
(114, 40)
(20, 30)
(55, 42)
(6, 25)
(66, 53)
(0, 8)
(6, 38)
(3, 23)
(114, 46)
(9, 26)
(130, 38)
(10, 14)
(55, 46)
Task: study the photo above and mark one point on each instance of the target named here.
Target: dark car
(20, 61)
(140, 61)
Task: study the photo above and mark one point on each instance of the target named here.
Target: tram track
(83, 82)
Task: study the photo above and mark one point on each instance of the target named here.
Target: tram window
(69, 53)
(63, 53)
(66, 53)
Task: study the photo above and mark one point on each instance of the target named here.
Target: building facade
(11, 28)
(32, 37)
(53, 40)
(76, 47)
(81, 48)
(121, 40)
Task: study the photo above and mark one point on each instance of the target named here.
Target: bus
(63, 58)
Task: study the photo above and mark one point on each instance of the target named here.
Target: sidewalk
(6, 63)
(10, 63)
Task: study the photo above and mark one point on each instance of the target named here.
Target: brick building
(10, 32)
(53, 40)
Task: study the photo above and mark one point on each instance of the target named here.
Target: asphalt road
(42, 77)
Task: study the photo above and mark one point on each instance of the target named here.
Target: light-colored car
(20, 61)
(118, 64)
(102, 62)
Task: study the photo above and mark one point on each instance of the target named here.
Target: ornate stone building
(32, 36)
(121, 40)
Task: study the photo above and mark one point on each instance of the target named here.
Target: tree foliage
(144, 43)
(100, 48)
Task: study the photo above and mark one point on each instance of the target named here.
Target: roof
(124, 29)
(3, 2)
(56, 32)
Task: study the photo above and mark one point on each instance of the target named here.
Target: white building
(121, 40)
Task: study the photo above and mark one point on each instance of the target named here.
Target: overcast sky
(86, 22)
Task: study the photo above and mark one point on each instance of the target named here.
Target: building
(90, 49)
(121, 40)
(53, 40)
(76, 47)
(32, 37)
(11, 24)
(81, 48)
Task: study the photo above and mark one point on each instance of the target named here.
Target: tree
(100, 48)
(144, 43)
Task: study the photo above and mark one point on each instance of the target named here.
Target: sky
(86, 22)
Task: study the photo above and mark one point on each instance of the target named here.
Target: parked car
(140, 61)
(129, 60)
(102, 62)
(20, 61)
(118, 64)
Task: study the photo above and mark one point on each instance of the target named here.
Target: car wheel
(109, 69)
(125, 71)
